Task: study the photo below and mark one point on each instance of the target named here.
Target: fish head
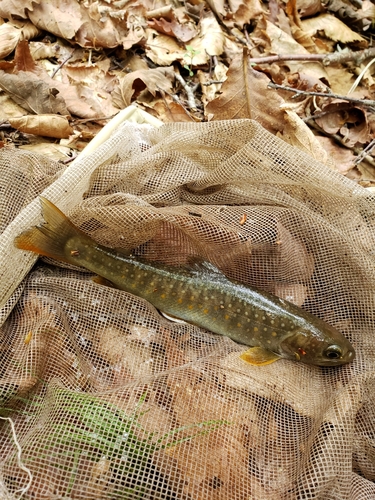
(321, 346)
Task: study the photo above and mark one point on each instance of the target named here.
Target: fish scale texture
(110, 400)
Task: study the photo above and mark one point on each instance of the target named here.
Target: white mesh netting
(112, 401)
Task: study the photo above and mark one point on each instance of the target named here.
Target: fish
(199, 293)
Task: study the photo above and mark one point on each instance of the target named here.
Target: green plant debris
(78, 427)
(191, 53)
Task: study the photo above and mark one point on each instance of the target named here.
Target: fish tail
(50, 238)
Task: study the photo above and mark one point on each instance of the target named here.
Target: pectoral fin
(259, 356)
(172, 318)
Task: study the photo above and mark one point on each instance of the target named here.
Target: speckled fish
(199, 294)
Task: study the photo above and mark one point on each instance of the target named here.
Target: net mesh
(110, 400)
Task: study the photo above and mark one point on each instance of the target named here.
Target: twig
(287, 57)
(335, 57)
(62, 63)
(367, 150)
(189, 91)
(359, 78)
(361, 102)
(213, 82)
(19, 459)
(98, 119)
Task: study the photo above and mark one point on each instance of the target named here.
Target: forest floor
(303, 69)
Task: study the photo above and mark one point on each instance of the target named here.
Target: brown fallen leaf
(244, 10)
(45, 125)
(170, 111)
(10, 8)
(9, 37)
(282, 43)
(245, 95)
(209, 90)
(296, 27)
(32, 94)
(211, 35)
(333, 28)
(162, 49)
(75, 21)
(298, 134)
(132, 84)
(343, 158)
(308, 8)
(346, 119)
(183, 32)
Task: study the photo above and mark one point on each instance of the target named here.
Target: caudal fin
(50, 238)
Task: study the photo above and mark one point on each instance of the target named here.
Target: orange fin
(50, 238)
(259, 356)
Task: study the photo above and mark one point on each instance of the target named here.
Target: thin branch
(361, 102)
(189, 91)
(213, 82)
(62, 63)
(287, 57)
(326, 59)
(367, 150)
(98, 119)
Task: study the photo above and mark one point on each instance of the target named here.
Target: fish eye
(333, 352)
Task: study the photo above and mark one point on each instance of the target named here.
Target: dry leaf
(308, 8)
(153, 79)
(162, 49)
(32, 94)
(45, 125)
(343, 158)
(333, 28)
(245, 95)
(281, 43)
(74, 21)
(217, 6)
(298, 134)
(244, 11)
(212, 35)
(9, 108)
(347, 119)
(9, 37)
(136, 31)
(170, 111)
(10, 8)
(209, 91)
(183, 32)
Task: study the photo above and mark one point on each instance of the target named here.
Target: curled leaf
(45, 125)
